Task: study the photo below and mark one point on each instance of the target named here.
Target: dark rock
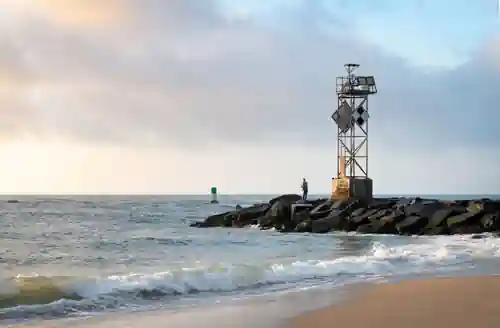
(288, 198)
(379, 214)
(320, 215)
(249, 215)
(424, 209)
(396, 215)
(468, 218)
(411, 225)
(389, 222)
(319, 201)
(332, 222)
(367, 228)
(301, 216)
(279, 215)
(479, 236)
(486, 205)
(402, 203)
(466, 229)
(385, 225)
(280, 209)
(491, 221)
(358, 212)
(322, 210)
(351, 207)
(265, 222)
(340, 204)
(218, 220)
(461, 203)
(355, 221)
(438, 218)
(382, 204)
(475, 205)
(491, 206)
(430, 230)
(304, 226)
(405, 216)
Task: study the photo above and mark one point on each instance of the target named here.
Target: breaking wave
(35, 295)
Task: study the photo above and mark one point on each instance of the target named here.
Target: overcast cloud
(189, 74)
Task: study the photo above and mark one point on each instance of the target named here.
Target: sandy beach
(442, 302)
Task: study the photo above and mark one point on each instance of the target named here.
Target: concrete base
(349, 187)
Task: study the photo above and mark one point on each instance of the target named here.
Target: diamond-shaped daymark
(360, 115)
(344, 117)
(335, 117)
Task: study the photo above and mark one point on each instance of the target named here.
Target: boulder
(304, 226)
(468, 218)
(379, 214)
(491, 222)
(401, 203)
(486, 205)
(461, 203)
(438, 218)
(217, 220)
(331, 222)
(265, 222)
(278, 215)
(411, 225)
(466, 229)
(430, 230)
(425, 209)
(287, 198)
(301, 216)
(280, 210)
(358, 211)
(479, 236)
(395, 215)
(322, 210)
(378, 227)
(250, 215)
(382, 203)
(319, 201)
(355, 221)
(406, 216)
(343, 204)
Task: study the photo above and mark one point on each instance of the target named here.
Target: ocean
(96, 257)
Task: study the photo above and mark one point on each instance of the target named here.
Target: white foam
(381, 260)
(388, 258)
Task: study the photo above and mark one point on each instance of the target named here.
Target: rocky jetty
(401, 216)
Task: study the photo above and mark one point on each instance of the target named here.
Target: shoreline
(455, 301)
(458, 302)
(266, 311)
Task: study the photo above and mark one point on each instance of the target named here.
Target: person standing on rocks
(305, 189)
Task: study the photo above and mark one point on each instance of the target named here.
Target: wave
(62, 294)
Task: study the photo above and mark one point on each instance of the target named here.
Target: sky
(176, 96)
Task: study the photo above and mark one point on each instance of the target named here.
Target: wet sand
(265, 312)
(461, 302)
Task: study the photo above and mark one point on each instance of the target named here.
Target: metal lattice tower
(351, 118)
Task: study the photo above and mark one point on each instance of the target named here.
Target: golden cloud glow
(71, 13)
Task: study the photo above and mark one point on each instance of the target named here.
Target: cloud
(68, 14)
(180, 71)
(189, 74)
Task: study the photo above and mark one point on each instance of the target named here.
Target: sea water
(69, 257)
